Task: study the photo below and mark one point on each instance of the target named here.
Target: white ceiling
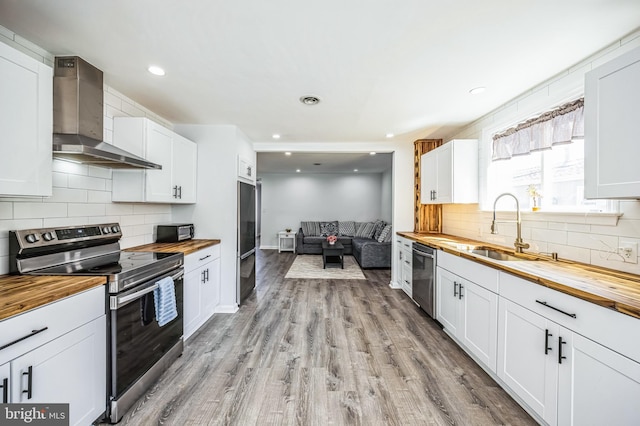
(379, 66)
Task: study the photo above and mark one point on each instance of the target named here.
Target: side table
(286, 241)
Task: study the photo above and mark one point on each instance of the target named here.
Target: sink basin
(496, 255)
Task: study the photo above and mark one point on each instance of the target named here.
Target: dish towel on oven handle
(164, 298)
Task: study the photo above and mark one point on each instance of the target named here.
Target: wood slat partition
(427, 217)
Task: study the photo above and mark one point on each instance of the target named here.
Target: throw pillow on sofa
(310, 229)
(379, 226)
(385, 235)
(366, 230)
(347, 229)
(328, 228)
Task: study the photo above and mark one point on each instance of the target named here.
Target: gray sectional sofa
(368, 242)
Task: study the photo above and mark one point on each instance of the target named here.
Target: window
(546, 155)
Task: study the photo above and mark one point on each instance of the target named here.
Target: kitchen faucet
(519, 244)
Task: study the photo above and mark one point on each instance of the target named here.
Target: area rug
(310, 266)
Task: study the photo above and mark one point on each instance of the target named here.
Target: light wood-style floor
(324, 352)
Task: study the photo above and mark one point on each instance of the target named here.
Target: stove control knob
(115, 229)
(106, 230)
(32, 238)
(48, 236)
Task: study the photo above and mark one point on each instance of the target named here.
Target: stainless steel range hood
(77, 118)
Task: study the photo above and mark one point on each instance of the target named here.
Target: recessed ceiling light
(297, 170)
(372, 153)
(288, 154)
(275, 136)
(310, 100)
(477, 90)
(355, 170)
(390, 135)
(156, 70)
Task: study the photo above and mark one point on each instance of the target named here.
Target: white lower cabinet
(63, 360)
(201, 287)
(5, 382)
(565, 377)
(469, 313)
(404, 261)
(70, 369)
(527, 358)
(597, 386)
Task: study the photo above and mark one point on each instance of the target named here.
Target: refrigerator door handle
(247, 254)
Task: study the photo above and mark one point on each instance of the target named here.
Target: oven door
(137, 341)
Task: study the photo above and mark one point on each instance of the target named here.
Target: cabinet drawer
(59, 317)
(482, 275)
(199, 258)
(610, 328)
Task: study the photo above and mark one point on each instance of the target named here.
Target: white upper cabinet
(26, 124)
(611, 128)
(175, 183)
(449, 173)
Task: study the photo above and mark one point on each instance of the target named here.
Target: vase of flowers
(332, 239)
(535, 195)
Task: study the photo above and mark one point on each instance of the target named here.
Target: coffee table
(332, 254)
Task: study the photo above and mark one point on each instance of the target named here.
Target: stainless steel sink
(496, 255)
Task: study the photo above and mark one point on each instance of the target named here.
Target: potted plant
(535, 195)
(332, 239)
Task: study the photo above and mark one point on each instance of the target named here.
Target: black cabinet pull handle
(546, 341)
(33, 333)
(203, 258)
(180, 192)
(455, 289)
(460, 287)
(5, 390)
(29, 375)
(560, 343)
(556, 309)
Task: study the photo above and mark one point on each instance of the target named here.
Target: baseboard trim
(226, 309)
(394, 285)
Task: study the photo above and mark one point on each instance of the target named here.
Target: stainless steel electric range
(139, 350)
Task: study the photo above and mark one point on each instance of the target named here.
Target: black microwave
(174, 232)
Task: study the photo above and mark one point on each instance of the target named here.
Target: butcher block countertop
(21, 293)
(185, 247)
(612, 289)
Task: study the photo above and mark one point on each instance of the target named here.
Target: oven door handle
(116, 302)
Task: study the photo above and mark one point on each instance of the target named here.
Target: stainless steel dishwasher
(424, 278)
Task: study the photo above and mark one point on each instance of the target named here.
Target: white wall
(215, 213)
(288, 199)
(81, 193)
(587, 238)
(386, 198)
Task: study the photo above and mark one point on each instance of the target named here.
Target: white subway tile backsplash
(86, 210)
(31, 210)
(549, 235)
(99, 197)
(65, 221)
(15, 224)
(630, 209)
(67, 195)
(128, 242)
(6, 209)
(100, 172)
(569, 227)
(119, 209)
(132, 220)
(60, 180)
(157, 218)
(87, 182)
(70, 168)
(576, 254)
(592, 241)
(629, 228)
(151, 208)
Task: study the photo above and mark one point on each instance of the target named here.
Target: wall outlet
(629, 251)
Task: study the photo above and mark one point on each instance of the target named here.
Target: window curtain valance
(555, 127)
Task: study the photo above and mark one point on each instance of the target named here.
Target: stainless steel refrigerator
(246, 240)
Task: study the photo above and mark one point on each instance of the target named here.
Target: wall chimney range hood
(78, 118)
